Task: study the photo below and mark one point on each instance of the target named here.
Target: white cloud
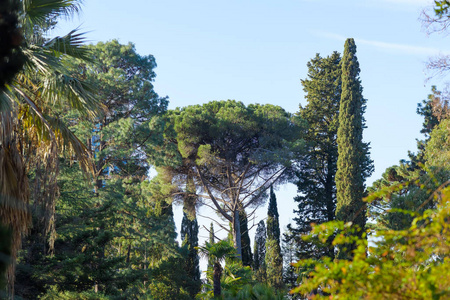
(390, 47)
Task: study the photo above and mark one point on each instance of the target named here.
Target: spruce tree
(274, 259)
(259, 252)
(315, 179)
(353, 163)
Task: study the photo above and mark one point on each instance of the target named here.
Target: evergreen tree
(107, 238)
(274, 259)
(189, 231)
(211, 241)
(247, 257)
(189, 235)
(289, 257)
(433, 110)
(353, 164)
(234, 152)
(316, 176)
(259, 252)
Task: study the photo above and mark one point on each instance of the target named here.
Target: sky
(257, 51)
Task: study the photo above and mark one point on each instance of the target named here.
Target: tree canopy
(234, 153)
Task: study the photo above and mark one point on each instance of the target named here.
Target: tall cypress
(247, 256)
(316, 177)
(259, 252)
(211, 241)
(189, 231)
(274, 259)
(189, 234)
(353, 163)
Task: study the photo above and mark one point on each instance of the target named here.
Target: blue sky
(257, 51)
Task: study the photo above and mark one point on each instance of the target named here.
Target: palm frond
(6, 101)
(37, 12)
(59, 88)
(14, 197)
(69, 141)
(71, 44)
(40, 60)
(34, 108)
(52, 129)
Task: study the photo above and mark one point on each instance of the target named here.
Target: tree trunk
(216, 279)
(237, 234)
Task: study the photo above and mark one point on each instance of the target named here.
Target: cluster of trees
(81, 127)
(403, 253)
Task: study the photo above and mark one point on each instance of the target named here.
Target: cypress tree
(247, 257)
(290, 275)
(189, 230)
(259, 252)
(274, 259)
(353, 163)
(316, 177)
(211, 241)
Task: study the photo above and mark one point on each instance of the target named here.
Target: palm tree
(217, 252)
(30, 130)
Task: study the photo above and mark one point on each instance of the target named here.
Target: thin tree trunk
(216, 278)
(237, 234)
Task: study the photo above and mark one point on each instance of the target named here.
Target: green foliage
(437, 151)
(217, 253)
(274, 264)
(441, 8)
(189, 231)
(54, 294)
(401, 264)
(254, 292)
(247, 256)
(273, 219)
(233, 153)
(234, 278)
(289, 250)
(259, 253)
(167, 281)
(433, 110)
(110, 241)
(273, 257)
(315, 177)
(353, 164)
(409, 190)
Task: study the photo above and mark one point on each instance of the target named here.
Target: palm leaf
(59, 88)
(14, 197)
(40, 60)
(37, 12)
(70, 142)
(71, 44)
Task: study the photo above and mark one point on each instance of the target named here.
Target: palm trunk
(216, 279)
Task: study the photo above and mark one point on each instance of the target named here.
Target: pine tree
(259, 252)
(274, 259)
(353, 163)
(316, 177)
